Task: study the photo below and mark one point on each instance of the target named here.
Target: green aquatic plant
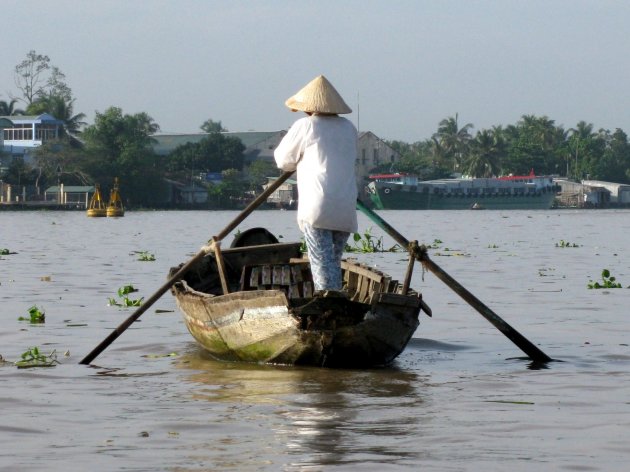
(608, 281)
(36, 315)
(493, 246)
(564, 243)
(146, 256)
(126, 289)
(4, 252)
(435, 244)
(34, 358)
(367, 243)
(125, 301)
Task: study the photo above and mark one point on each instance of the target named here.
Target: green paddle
(420, 253)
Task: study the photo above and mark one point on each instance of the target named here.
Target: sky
(402, 66)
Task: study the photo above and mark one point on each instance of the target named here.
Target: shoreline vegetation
(120, 145)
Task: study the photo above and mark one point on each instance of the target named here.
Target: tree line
(533, 143)
(120, 145)
(116, 145)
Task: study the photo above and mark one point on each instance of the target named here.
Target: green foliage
(36, 315)
(214, 153)
(118, 145)
(258, 171)
(34, 358)
(124, 300)
(367, 243)
(608, 281)
(146, 256)
(435, 245)
(211, 126)
(229, 192)
(564, 243)
(4, 252)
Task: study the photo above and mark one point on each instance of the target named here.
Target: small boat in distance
(97, 207)
(115, 205)
(404, 192)
(255, 303)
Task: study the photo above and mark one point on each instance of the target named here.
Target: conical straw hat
(318, 96)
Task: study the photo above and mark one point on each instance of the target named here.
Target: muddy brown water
(460, 398)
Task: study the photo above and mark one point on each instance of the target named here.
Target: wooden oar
(421, 255)
(180, 273)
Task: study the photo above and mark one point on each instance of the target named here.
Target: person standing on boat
(322, 147)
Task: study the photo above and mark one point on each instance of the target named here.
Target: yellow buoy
(97, 205)
(115, 206)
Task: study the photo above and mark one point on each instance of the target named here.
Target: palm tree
(453, 139)
(485, 155)
(579, 140)
(61, 109)
(8, 108)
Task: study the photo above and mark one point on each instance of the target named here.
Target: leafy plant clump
(36, 315)
(608, 281)
(367, 243)
(34, 358)
(564, 243)
(146, 256)
(124, 300)
(436, 244)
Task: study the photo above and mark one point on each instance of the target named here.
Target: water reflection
(319, 416)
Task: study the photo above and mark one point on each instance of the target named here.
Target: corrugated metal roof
(71, 189)
(43, 118)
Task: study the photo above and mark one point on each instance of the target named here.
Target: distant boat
(97, 207)
(404, 192)
(115, 205)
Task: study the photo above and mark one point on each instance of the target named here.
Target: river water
(461, 397)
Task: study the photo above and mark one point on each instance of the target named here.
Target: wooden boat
(97, 207)
(115, 205)
(270, 314)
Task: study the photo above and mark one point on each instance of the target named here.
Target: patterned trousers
(325, 248)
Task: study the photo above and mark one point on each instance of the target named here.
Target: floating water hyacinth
(125, 301)
(34, 358)
(608, 281)
(146, 256)
(367, 243)
(564, 243)
(36, 315)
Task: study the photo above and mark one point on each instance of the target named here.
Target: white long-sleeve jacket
(323, 150)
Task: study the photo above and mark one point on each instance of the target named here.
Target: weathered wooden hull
(360, 328)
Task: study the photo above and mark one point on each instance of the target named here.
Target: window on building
(19, 132)
(45, 132)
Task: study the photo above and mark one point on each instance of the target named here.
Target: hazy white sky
(401, 65)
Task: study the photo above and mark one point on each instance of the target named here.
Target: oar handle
(182, 271)
(420, 253)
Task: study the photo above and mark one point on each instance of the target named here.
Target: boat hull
(386, 196)
(280, 321)
(258, 326)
